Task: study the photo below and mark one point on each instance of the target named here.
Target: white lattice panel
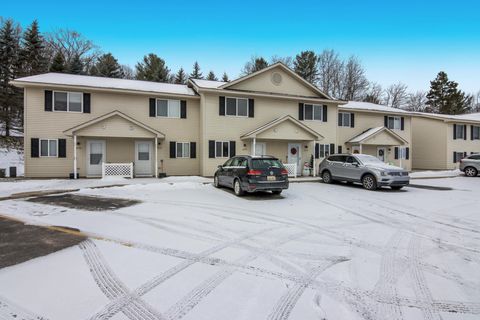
(291, 168)
(117, 170)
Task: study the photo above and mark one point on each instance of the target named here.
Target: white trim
(228, 144)
(183, 150)
(313, 112)
(156, 156)
(168, 108)
(342, 117)
(236, 107)
(74, 156)
(395, 118)
(48, 148)
(68, 101)
(326, 149)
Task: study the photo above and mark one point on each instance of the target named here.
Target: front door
(143, 158)
(260, 149)
(294, 155)
(95, 157)
(382, 153)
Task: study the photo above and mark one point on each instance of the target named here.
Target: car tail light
(284, 171)
(254, 172)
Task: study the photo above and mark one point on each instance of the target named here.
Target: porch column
(74, 156)
(360, 148)
(314, 162)
(254, 145)
(156, 156)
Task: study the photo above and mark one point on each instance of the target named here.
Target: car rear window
(475, 157)
(266, 163)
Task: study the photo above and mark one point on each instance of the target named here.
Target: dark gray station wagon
(251, 174)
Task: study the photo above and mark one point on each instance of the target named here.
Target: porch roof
(378, 136)
(284, 128)
(114, 124)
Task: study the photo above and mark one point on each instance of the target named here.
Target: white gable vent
(276, 78)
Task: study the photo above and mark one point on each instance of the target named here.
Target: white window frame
(182, 156)
(313, 112)
(326, 148)
(462, 132)
(68, 101)
(473, 131)
(342, 124)
(228, 146)
(48, 148)
(395, 119)
(168, 108)
(236, 107)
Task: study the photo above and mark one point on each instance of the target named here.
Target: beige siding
(429, 144)
(459, 145)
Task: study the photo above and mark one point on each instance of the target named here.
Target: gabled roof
(370, 133)
(64, 79)
(275, 65)
(468, 117)
(278, 121)
(106, 116)
(209, 84)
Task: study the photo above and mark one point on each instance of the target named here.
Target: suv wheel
(326, 177)
(471, 172)
(215, 182)
(237, 188)
(369, 182)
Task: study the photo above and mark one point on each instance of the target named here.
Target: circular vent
(276, 78)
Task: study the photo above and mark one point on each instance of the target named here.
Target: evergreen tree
(11, 102)
(32, 54)
(255, 64)
(211, 76)
(76, 66)
(196, 74)
(107, 66)
(180, 77)
(58, 63)
(152, 68)
(444, 97)
(225, 77)
(305, 65)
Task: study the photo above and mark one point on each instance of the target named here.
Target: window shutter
(454, 157)
(62, 148)
(183, 109)
(332, 148)
(402, 123)
(325, 113)
(221, 106)
(317, 150)
(173, 149)
(339, 148)
(300, 111)
(471, 132)
(464, 132)
(48, 100)
(193, 150)
(232, 149)
(251, 108)
(465, 154)
(407, 153)
(454, 131)
(339, 119)
(86, 103)
(385, 121)
(352, 120)
(396, 153)
(211, 148)
(34, 146)
(153, 112)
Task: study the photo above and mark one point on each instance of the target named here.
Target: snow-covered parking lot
(319, 251)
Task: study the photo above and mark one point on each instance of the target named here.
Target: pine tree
(305, 65)
(58, 63)
(32, 54)
(211, 76)
(152, 68)
(444, 97)
(225, 77)
(180, 77)
(255, 64)
(107, 66)
(196, 74)
(76, 66)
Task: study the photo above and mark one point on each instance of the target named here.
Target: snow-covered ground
(318, 252)
(11, 158)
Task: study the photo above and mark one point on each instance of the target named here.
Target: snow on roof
(210, 84)
(365, 134)
(371, 106)
(455, 117)
(108, 83)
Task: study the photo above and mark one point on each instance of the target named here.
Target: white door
(95, 156)
(260, 148)
(382, 153)
(294, 155)
(143, 158)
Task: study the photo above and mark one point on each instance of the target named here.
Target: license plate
(271, 178)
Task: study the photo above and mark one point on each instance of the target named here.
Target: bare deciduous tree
(128, 72)
(354, 81)
(288, 61)
(374, 93)
(416, 101)
(396, 95)
(330, 69)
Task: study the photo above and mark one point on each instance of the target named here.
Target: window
(183, 149)
(143, 151)
(458, 156)
(67, 101)
(337, 158)
(237, 107)
(344, 119)
(352, 160)
(394, 123)
(48, 147)
(168, 108)
(459, 131)
(475, 133)
(239, 162)
(313, 112)
(324, 150)
(266, 163)
(222, 149)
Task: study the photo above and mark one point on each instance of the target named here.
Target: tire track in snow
(9, 311)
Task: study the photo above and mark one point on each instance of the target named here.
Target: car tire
(237, 188)
(396, 187)
(276, 192)
(369, 182)
(470, 172)
(216, 184)
(327, 177)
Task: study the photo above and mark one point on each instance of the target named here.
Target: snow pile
(11, 158)
(435, 174)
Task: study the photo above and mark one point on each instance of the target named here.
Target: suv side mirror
(219, 166)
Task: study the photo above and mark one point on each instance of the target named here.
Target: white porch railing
(124, 170)
(291, 168)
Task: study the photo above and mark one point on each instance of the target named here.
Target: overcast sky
(403, 41)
